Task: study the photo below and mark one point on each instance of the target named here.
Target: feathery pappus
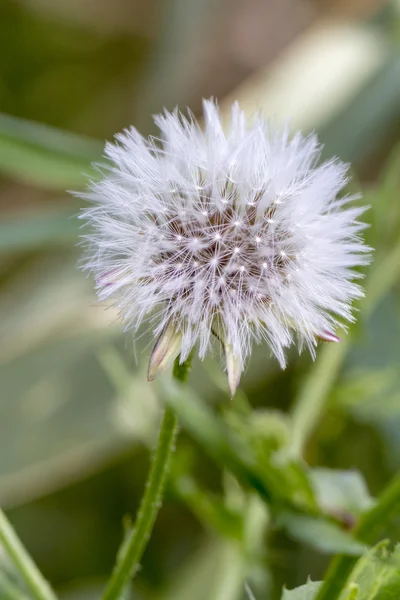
(241, 236)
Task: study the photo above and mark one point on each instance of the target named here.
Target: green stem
(133, 546)
(34, 580)
(372, 525)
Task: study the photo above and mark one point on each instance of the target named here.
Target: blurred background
(76, 415)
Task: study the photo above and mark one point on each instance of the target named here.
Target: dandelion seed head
(241, 232)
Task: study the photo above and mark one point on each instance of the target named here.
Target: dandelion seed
(171, 219)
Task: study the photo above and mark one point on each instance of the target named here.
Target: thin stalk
(372, 525)
(135, 542)
(23, 563)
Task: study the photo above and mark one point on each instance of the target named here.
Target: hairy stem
(136, 540)
(372, 525)
(23, 563)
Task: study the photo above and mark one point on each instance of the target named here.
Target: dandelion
(240, 236)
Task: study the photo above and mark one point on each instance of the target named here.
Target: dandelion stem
(34, 580)
(136, 540)
(372, 525)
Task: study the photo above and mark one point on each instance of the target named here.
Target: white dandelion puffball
(241, 235)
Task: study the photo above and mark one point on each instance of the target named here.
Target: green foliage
(376, 576)
(304, 592)
(341, 492)
(33, 232)
(44, 156)
(321, 534)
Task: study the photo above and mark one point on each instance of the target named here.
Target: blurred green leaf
(45, 156)
(215, 571)
(249, 593)
(31, 232)
(384, 213)
(384, 275)
(321, 534)
(315, 388)
(282, 481)
(304, 592)
(209, 508)
(390, 176)
(341, 492)
(9, 590)
(353, 135)
(82, 591)
(369, 387)
(61, 391)
(11, 585)
(268, 434)
(60, 301)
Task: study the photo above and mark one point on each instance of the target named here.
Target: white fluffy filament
(241, 233)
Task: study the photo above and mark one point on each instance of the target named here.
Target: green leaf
(385, 210)
(45, 156)
(217, 570)
(304, 592)
(236, 446)
(348, 134)
(341, 493)
(268, 434)
(9, 590)
(314, 392)
(369, 389)
(325, 536)
(11, 585)
(29, 232)
(86, 590)
(209, 508)
(65, 432)
(60, 299)
(249, 593)
(376, 575)
(211, 432)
